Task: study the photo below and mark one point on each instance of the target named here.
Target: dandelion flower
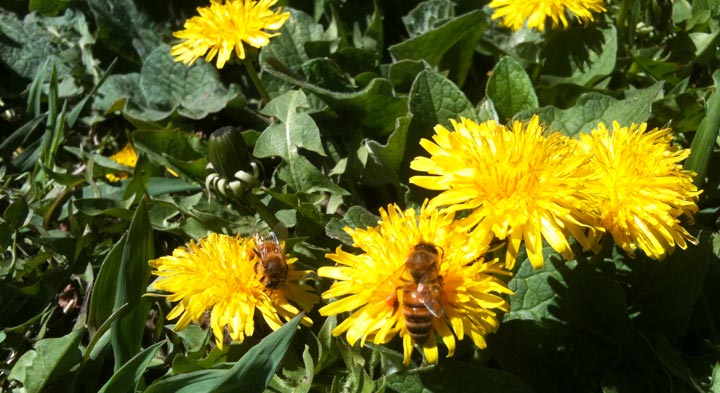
(641, 188)
(370, 285)
(218, 274)
(520, 184)
(534, 13)
(126, 156)
(222, 27)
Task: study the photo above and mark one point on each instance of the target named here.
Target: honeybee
(272, 266)
(423, 295)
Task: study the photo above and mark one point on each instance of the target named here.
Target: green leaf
(432, 45)
(580, 56)
(49, 361)
(165, 86)
(536, 290)
(435, 100)
(706, 135)
(126, 22)
(715, 387)
(288, 48)
(592, 108)
(455, 376)
(63, 41)
(391, 153)
(127, 330)
(295, 130)
(102, 297)
(48, 7)
(427, 16)
(355, 217)
(128, 376)
(510, 89)
(251, 373)
(181, 151)
(375, 107)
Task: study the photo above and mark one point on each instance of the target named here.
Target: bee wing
(433, 302)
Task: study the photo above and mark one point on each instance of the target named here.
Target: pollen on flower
(456, 293)
(218, 274)
(640, 188)
(535, 13)
(225, 26)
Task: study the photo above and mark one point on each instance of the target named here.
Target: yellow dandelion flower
(219, 274)
(222, 27)
(641, 188)
(461, 297)
(535, 13)
(126, 156)
(521, 184)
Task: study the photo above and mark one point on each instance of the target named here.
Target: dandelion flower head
(535, 13)
(126, 156)
(218, 274)
(641, 188)
(223, 27)
(521, 184)
(369, 285)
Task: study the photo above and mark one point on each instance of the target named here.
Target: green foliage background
(354, 86)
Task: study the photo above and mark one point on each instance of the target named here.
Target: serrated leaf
(392, 152)
(510, 89)
(181, 151)
(127, 21)
(592, 108)
(580, 56)
(435, 100)
(251, 373)
(295, 130)
(49, 360)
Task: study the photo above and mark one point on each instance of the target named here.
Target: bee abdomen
(418, 321)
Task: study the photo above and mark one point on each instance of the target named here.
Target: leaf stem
(256, 80)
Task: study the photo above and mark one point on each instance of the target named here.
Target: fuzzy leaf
(435, 100)
(580, 56)
(510, 89)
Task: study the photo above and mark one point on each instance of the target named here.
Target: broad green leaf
(580, 56)
(432, 45)
(435, 100)
(128, 23)
(163, 87)
(63, 41)
(48, 7)
(127, 330)
(303, 176)
(592, 108)
(375, 107)
(536, 290)
(295, 130)
(355, 217)
(428, 16)
(664, 293)
(50, 359)
(551, 353)
(455, 376)
(181, 151)
(251, 373)
(391, 153)
(288, 48)
(715, 387)
(19, 137)
(403, 73)
(706, 135)
(510, 89)
(128, 376)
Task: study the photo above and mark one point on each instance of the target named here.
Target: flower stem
(256, 81)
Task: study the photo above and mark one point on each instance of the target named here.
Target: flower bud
(227, 151)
